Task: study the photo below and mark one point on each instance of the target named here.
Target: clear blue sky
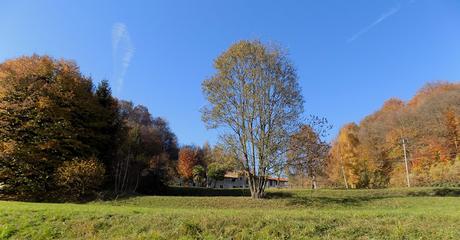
(350, 55)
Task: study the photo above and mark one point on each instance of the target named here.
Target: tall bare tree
(256, 98)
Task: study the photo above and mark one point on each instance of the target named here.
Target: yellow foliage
(80, 176)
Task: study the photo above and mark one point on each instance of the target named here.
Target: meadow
(417, 213)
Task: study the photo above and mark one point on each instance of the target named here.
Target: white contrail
(382, 18)
(122, 52)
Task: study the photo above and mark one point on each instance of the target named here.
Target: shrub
(199, 174)
(446, 174)
(80, 177)
(216, 172)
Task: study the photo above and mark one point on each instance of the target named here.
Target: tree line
(255, 98)
(424, 132)
(204, 166)
(62, 136)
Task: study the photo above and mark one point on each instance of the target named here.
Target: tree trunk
(343, 172)
(314, 184)
(344, 178)
(301, 180)
(256, 186)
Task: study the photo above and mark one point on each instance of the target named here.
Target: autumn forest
(63, 138)
(424, 131)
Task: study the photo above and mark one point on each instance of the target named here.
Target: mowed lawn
(288, 214)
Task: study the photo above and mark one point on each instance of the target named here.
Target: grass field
(287, 214)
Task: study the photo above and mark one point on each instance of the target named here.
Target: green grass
(287, 214)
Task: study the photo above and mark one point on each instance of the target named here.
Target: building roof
(278, 179)
(233, 175)
(240, 174)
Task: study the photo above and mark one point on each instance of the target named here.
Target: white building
(238, 180)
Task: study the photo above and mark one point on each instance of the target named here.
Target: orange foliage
(432, 89)
(430, 126)
(189, 157)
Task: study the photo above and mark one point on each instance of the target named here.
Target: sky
(350, 55)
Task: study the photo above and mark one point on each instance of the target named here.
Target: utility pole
(405, 161)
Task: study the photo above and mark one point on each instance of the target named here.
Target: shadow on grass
(206, 192)
(312, 200)
(292, 199)
(353, 200)
(278, 195)
(326, 201)
(182, 192)
(437, 192)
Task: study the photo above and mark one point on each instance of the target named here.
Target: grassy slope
(289, 214)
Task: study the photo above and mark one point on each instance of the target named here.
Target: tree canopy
(48, 114)
(255, 96)
(54, 123)
(371, 154)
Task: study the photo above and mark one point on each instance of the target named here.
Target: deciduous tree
(146, 153)
(49, 114)
(307, 153)
(189, 157)
(429, 126)
(256, 97)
